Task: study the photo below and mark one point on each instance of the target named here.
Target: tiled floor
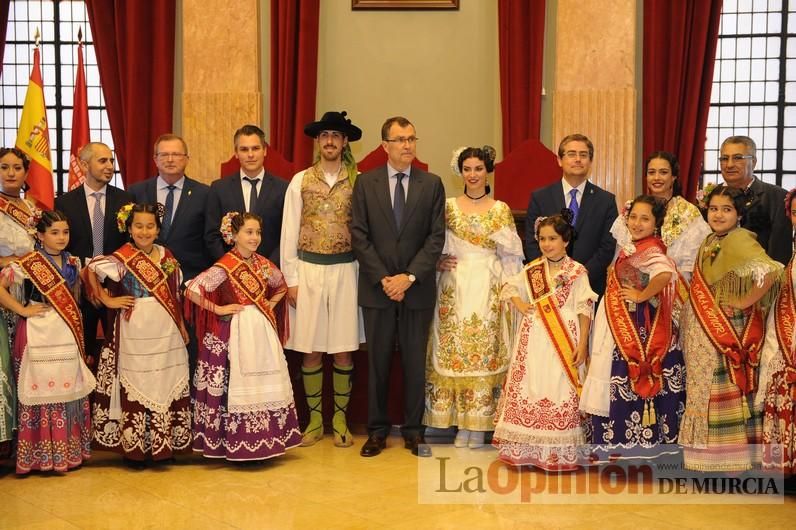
(321, 487)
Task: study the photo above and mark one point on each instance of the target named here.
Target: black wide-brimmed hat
(334, 121)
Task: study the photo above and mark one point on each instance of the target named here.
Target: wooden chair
(275, 164)
(378, 157)
(528, 167)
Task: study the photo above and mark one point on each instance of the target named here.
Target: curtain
(134, 44)
(4, 12)
(680, 38)
(294, 74)
(521, 44)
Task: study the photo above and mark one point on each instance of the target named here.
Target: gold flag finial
(80, 35)
(37, 36)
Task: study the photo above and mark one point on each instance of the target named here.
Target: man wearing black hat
(321, 272)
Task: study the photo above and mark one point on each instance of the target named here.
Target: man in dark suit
(594, 208)
(183, 224)
(397, 232)
(253, 190)
(91, 210)
(765, 211)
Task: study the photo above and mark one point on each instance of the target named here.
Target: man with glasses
(594, 211)
(765, 210)
(321, 272)
(251, 190)
(397, 232)
(91, 210)
(185, 201)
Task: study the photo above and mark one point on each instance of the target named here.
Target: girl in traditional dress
(142, 408)
(16, 240)
(538, 421)
(776, 396)
(243, 404)
(53, 381)
(733, 285)
(635, 389)
(683, 228)
(468, 345)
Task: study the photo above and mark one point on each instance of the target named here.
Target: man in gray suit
(397, 232)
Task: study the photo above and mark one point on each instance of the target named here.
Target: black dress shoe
(418, 446)
(373, 446)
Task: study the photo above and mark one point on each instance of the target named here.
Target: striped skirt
(734, 427)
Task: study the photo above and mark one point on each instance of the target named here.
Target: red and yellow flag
(33, 138)
(80, 127)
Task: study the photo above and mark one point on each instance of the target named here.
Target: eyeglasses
(572, 155)
(166, 156)
(735, 158)
(325, 135)
(403, 140)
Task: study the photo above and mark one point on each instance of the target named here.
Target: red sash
(248, 282)
(644, 362)
(742, 353)
(20, 216)
(151, 276)
(52, 285)
(541, 294)
(784, 312)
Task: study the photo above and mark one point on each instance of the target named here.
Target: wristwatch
(411, 276)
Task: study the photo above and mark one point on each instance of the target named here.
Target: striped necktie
(97, 225)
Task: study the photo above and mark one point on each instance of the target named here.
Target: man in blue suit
(252, 190)
(594, 209)
(185, 201)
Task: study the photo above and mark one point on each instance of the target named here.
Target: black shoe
(418, 446)
(373, 446)
(138, 465)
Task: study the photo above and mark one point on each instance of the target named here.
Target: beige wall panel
(221, 49)
(438, 68)
(595, 44)
(209, 122)
(607, 117)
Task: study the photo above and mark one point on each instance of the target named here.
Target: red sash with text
(248, 282)
(20, 216)
(644, 361)
(152, 277)
(52, 285)
(540, 292)
(742, 353)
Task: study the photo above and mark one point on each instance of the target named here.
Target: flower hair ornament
(455, 160)
(536, 226)
(226, 227)
(122, 215)
(703, 194)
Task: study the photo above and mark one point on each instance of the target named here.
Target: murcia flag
(33, 138)
(80, 128)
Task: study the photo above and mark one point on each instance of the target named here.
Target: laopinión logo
(463, 476)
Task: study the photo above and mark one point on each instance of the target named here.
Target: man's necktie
(97, 225)
(166, 225)
(252, 192)
(399, 199)
(573, 204)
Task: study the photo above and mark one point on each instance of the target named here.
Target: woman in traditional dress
(141, 408)
(538, 420)
(53, 381)
(683, 228)
(776, 397)
(733, 285)
(468, 352)
(243, 404)
(636, 382)
(16, 240)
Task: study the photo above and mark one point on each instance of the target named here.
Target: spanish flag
(33, 138)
